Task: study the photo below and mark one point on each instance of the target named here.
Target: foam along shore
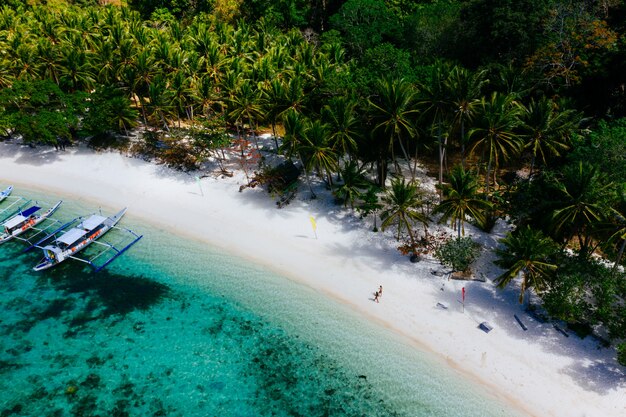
(538, 371)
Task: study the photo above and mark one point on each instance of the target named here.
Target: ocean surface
(177, 328)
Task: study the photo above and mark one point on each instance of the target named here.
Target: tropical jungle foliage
(533, 120)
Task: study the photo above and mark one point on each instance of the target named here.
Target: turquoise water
(176, 328)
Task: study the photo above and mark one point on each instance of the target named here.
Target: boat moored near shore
(24, 220)
(68, 243)
(6, 192)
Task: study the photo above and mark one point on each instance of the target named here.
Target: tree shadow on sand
(25, 155)
(598, 376)
(592, 366)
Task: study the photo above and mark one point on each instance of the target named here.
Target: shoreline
(489, 388)
(528, 370)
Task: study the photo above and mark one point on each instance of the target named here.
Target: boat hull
(5, 237)
(109, 223)
(4, 194)
(44, 265)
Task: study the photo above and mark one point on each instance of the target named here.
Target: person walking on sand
(380, 291)
(376, 296)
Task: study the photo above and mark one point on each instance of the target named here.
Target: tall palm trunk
(619, 255)
(393, 158)
(409, 231)
(381, 171)
(408, 160)
(462, 144)
(532, 166)
(306, 176)
(165, 125)
(487, 176)
(274, 135)
(441, 157)
(254, 138)
(415, 160)
(143, 112)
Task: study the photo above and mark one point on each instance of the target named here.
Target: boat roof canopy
(72, 236)
(14, 221)
(92, 222)
(30, 210)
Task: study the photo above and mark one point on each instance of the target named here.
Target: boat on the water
(6, 192)
(23, 221)
(76, 239)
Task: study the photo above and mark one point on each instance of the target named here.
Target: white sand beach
(539, 371)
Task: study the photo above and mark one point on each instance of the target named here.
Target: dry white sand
(539, 371)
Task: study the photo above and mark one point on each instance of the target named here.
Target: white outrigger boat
(6, 192)
(23, 221)
(10, 210)
(70, 242)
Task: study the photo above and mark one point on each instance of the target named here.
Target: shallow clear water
(177, 328)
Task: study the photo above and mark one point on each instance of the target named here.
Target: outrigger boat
(70, 242)
(16, 204)
(4, 194)
(24, 220)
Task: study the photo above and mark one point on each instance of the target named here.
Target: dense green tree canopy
(501, 29)
(40, 112)
(528, 95)
(364, 24)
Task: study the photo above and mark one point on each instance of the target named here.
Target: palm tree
(294, 94)
(354, 182)
(6, 78)
(495, 132)
(180, 94)
(392, 113)
(293, 142)
(49, 57)
(159, 103)
(547, 130)
(74, 72)
(25, 62)
(619, 235)
(8, 18)
(125, 115)
(510, 80)
(437, 106)
(401, 202)
(464, 88)
(215, 63)
(206, 95)
(245, 106)
(370, 204)
(319, 153)
(161, 51)
(581, 204)
(460, 199)
(144, 72)
(263, 71)
(527, 252)
(125, 58)
(274, 103)
(343, 123)
(105, 62)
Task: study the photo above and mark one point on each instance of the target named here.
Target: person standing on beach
(378, 293)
